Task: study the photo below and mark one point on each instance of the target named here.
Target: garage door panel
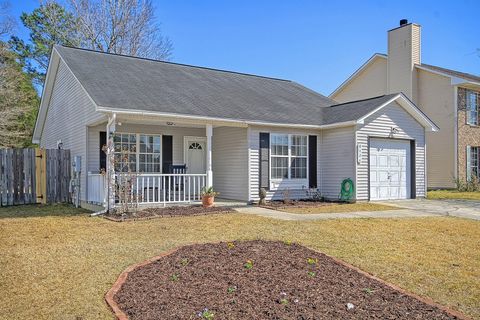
(389, 169)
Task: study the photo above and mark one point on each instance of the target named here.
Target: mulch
(286, 281)
(163, 212)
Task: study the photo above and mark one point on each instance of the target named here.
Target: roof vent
(403, 22)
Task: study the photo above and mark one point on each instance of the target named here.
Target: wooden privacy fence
(34, 176)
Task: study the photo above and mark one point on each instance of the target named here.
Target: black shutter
(167, 154)
(312, 161)
(103, 155)
(264, 159)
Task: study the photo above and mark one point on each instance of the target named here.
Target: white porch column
(110, 169)
(209, 155)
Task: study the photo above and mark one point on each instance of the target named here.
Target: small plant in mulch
(368, 290)
(184, 262)
(230, 245)
(248, 265)
(232, 289)
(311, 274)
(206, 314)
(288, 242)
(312, 261)
(283, 298)
(174, 277)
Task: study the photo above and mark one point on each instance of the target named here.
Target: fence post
(40, 175)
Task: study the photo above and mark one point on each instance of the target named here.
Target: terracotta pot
(207, 201)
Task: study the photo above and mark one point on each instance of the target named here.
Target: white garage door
(389, 169)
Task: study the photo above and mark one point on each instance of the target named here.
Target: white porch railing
(168, 188)
(96, 188)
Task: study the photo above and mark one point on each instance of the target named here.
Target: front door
(195, 155)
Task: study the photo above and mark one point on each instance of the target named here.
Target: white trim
(357, 72)
(409, 107)
(455, 132)
(294, 182)
(48, 91)
(46, 95)
(454, 79)
(224, 121)
(249, 165)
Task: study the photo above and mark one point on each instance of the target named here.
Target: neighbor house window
(472, 107)
(288, 156)
(473, 163)
(140, 150)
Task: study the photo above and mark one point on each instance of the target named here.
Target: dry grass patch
(341, 208)
(60, 267)
(453, 194)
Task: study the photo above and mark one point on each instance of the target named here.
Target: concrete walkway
(468, 209)
(411, 209)
(275, 214)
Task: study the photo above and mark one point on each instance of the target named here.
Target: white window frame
(472, 166)
(288, 182)
(137, 149)
(468, 110)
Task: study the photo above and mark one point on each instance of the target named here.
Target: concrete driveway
(469, 209)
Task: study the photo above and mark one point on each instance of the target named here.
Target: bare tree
(121, 26)
(7, 22)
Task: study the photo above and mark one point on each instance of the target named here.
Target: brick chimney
(404, 51)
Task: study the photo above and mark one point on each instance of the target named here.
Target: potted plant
(208, 197)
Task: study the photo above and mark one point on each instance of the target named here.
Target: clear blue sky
(316, 43)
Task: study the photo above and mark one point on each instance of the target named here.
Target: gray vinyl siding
(178, 134)
(379, 125)
(69, 112)
(253, 154)
(230, 162)
(337, 159)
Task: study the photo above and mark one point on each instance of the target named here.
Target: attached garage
(390, 169)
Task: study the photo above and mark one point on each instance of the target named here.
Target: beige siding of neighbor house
(70, 110)
(230, 162)
(337, 158)
(436, 99)
(295, 192)
(379, 125)
(403, 54)
(371, 82)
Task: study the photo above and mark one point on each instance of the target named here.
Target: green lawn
(453, 194)
(60, 266)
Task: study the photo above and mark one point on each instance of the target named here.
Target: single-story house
(184, 127)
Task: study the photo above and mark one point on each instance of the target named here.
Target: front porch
(168, 162)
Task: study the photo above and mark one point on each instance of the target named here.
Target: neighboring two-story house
(450, 98)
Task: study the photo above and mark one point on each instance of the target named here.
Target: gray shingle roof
(123, 82)
(353, 110)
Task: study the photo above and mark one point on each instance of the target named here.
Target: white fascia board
(222, 121)
(455, 81)
(410, 107)
(356, 73)
(46, 95)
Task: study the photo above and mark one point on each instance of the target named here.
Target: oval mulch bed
(260, 280)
